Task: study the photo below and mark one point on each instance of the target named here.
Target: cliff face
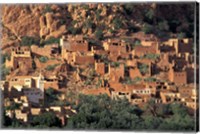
(29, 20)
(45, 21)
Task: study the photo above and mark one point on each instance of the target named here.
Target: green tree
(4, 71)
(28, 41)
(99, 34)
(51, 96)
(43, 59)
(117, 23)
(47, 9)
(4, 57)
(147, 29)
(47, 119)
(163, 26)
(151, 56)
(51, 67)
(51, 40)
(143, 68)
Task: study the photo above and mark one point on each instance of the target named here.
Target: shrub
(47, 9)
(98, 14)
(143, 68)
(135, 43)
(4, 57)
(117, 23)
(115, 64)
(150, 79)
(85, 6)
(181, 35)
(51, 67)
(51, 40)
(99, 34)
(137, 79)
(73, 30)
(163, 26)
(88, 82)
(28, 41)
(149, 14)
(128, 80)
(147, 29)
(88, 23)
(47, 119)
(151, 56)
(129, 8)
(4, 71)
(43, 59)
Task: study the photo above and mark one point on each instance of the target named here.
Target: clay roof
(136, 86)
(118, 87)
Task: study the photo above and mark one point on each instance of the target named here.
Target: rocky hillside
(101, 20)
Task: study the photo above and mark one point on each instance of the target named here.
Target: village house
(73, 44)
(20, 57)
(179, 77)
(100, 67)
(164, 62)
(180, 45)
(116, 72)
(169, 96)
(119, 91)
(79, 58)
(147, 47)
(51, 82)
(19, 82)
(30, 86)
(140, 89)
(115, 45)
(86, 58)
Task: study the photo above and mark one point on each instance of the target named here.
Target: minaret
(41, 82)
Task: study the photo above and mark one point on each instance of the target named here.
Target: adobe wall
(178, 77)
(100, 68)
(79, 47)
(84, 59)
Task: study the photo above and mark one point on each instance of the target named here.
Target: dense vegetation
(101, 112)
(163, 20)
(28, 41)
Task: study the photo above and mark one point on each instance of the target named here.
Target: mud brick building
(146, 47)
(100, 67)
(116, 72)
(178, 76)
(20, 57)
(115, 45)
(74, 44)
